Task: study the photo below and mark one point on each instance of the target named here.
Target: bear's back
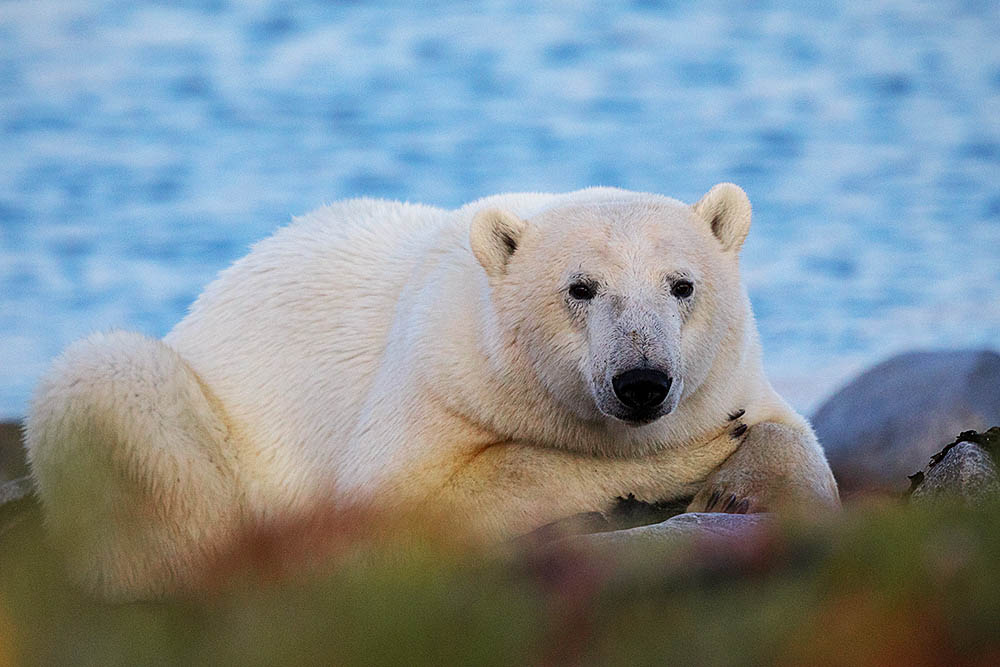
(289, 337)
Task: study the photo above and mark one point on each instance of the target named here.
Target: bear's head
(620, 302)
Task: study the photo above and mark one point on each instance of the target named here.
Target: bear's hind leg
(133, 464)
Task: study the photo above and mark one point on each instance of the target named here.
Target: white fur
(393, 353)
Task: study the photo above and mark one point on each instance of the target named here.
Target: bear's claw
(733, 505)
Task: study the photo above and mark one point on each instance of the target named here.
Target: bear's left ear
(494, 237)
(726, 208)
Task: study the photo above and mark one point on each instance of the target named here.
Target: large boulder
(964, 470)
(888, 422)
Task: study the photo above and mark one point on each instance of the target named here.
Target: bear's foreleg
(510, 489)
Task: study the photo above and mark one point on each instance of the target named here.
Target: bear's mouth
(641, 417)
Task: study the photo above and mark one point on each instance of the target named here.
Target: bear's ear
(726, 208)
(494, 237)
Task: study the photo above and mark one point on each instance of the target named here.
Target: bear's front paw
(722, 493)
(775, 466)
(731, 494)
(721, 500)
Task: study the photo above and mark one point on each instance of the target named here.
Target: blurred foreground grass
(881, 585)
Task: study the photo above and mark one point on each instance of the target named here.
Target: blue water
(144, 146)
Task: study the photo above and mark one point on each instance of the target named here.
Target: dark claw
(739, 431)
(742, 506)
(730, 504)
(733, 416)
(712, 499)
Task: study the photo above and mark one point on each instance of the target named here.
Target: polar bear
(521, 359)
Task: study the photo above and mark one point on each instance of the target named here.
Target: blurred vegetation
(883, 584)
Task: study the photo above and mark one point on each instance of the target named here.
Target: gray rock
(966, 472)
(15, 490)
(890, 420)
(16, 497)
(12, 463)
(675, 531)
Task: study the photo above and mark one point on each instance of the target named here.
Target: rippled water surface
(145, 145)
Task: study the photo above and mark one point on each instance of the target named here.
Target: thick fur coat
(521, 359)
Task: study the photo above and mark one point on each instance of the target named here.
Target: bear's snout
(642, 389)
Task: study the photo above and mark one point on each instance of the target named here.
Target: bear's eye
(682, 289)
(581, 291)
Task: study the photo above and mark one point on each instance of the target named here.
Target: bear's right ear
(494, 237)
(726, 209)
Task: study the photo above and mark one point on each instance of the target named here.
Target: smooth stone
(676, 530)
(889, 421)
(15, 490)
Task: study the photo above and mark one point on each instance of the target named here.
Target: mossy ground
(883, 584)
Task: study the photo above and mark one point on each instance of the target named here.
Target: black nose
(641, 388)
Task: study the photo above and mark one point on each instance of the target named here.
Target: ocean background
(144, 146)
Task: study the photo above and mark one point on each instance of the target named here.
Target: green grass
(888, 584)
